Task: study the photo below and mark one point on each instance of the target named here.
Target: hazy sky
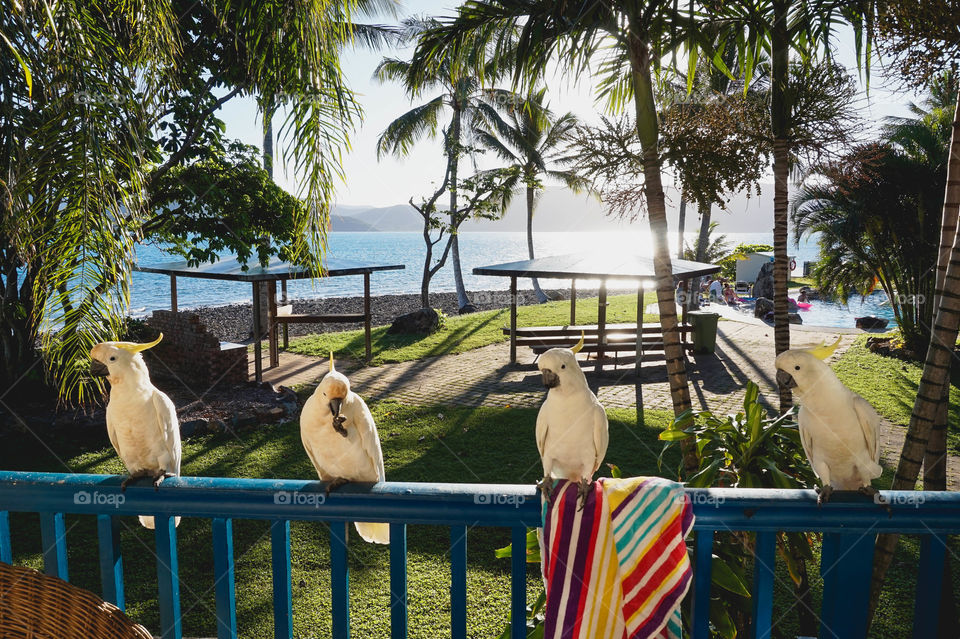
(391, 181)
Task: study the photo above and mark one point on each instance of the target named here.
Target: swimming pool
(835, 313)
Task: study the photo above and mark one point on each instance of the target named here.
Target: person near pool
(716, 290)
(729, 296)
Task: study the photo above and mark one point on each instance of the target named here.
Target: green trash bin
(704, 330)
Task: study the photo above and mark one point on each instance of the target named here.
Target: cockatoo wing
(367, 429)
(169, 427)
(870, 424)
(601, 435)
(806, 439)
(541, 429)
(112, 434)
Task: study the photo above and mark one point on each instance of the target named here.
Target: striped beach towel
(618, 569)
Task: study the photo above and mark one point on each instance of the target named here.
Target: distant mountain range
(559, 209)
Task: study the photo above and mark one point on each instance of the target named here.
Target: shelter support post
(639, 346)
(513, 319)
(366, 316)
(173, 293)
(573, 302)
(601, 324)
(257, 363)
(285, 300)
(272, 324)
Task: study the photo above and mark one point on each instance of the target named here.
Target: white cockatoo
(572, 433)
(141, 420)
(838, 428)
(341, 439)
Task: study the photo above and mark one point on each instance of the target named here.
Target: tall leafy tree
(629, 38)
(101, 102)
(532, 139)
(459, 96)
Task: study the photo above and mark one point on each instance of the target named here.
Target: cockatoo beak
(550, 379)
(99, 369)
(335, 404)
(785, 379)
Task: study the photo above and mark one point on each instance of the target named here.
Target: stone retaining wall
(191, 353)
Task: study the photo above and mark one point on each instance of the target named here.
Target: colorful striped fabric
(618, 569)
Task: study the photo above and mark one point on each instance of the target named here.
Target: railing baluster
(398, 581)
(764, 559)
(702, 579)
(926, 615)
(168, 576)
(53, 535)
(282, 593)
(845, 559)
(6, 549)
(223, 578)
(111, 561)
(518, 582)
(339, 580)
(458, 582)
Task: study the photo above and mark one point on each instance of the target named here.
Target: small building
(749, 267)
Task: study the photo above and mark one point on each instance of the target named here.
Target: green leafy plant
(750, 449)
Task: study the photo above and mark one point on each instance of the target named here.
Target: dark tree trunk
(681, 223)
(454, 159)
(541, 296)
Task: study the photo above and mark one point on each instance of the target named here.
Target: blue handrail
(849, 524)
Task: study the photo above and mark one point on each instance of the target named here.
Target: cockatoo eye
(113, 359)
(563, 365)
(796, 368)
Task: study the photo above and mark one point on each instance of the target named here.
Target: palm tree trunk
(935, 379)
(268, 140)
(681, 223)
(463, 302)
(541, 296)
(657, 212)
(704, 237)
(779, 112)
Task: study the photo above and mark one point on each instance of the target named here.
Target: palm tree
(531, 139)
(781, 27)
(460, 94)
(527, 35)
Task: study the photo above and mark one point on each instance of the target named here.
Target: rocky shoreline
(232, 323)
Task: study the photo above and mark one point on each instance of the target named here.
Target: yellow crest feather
(136, 348)
(823, 351)
(576, 349)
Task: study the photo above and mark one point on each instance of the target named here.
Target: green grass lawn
(419, 443)
(466, 332)
(443, 444)
(890, 385)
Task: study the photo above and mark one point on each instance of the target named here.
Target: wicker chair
(37, 606)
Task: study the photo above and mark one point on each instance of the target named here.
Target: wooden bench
(284, 316)
(619, 338)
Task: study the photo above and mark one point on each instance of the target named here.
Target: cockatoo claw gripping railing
(849, 526)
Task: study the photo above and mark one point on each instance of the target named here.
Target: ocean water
(150, 291)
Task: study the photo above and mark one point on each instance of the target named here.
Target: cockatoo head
(560, 369)
(118, 361)
(334, 388)
(802, 369)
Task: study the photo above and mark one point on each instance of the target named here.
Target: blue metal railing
(849, 527)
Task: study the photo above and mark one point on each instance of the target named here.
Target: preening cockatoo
(141, 420)
(341, 439)
(572, 433)
(838, 428)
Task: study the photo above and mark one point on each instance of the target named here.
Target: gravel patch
(232, 323)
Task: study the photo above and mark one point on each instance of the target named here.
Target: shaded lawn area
(890, 385)
(445, 444)
(466, 332)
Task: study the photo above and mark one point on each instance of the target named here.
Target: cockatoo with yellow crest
(341, 439)
(839, 430)
(141, 420)
(572, 433)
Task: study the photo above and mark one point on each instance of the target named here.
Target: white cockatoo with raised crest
(839, 430)
(141, 420)
(341, 439)
(572, 433)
